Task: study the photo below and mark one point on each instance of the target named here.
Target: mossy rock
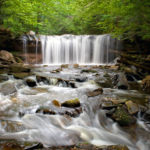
(88, 71)
(122, 116)
(71, 103)
(18, 60)
(20, 75)
(18, 68)
(64, 66)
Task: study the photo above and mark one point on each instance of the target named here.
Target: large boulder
(122, 117)
(81, 79)
(120, 81)
(17, 68)
(20, 75)
(30, 82)
(6, 57)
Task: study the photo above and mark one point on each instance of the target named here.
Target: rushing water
(25, 49)
(91, 126)
(83, 49)
(71, 49)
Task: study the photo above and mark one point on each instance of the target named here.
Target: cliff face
(15, 45)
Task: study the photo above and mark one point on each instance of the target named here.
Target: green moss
(20, 75)
(88, 71)
(71, 103)
(123, 117)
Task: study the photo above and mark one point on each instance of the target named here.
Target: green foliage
(126, 19)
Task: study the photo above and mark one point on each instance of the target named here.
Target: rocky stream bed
(72, 107)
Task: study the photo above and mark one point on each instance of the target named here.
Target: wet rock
(3, 78)
(30, 82)
(118, 101)
(18, 68)
(88, 71)
(71, 112)
(18, 60)
(20, 75)
(95, 92)
(5, 56)
(8, 88)
(72, 84)
(42, 79)
(122, 117)
(120, 81)
(45, 111)
(106, 75)
(105, 83)
(76, 65)
(132, 107)
(71, 103)
(57, 70)
(146, 84)
(114, 67)
(108, 105)
(56, 103)
(12, 146)
(81, 79)
(64, 66)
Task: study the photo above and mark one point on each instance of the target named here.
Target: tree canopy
(126, 19)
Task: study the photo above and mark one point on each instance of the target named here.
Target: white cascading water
(82, 49)
(25, 48)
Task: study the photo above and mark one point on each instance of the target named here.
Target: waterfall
(36, 48)
(24, 39)
(82, 49)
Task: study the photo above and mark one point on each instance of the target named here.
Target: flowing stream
(19, 120)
